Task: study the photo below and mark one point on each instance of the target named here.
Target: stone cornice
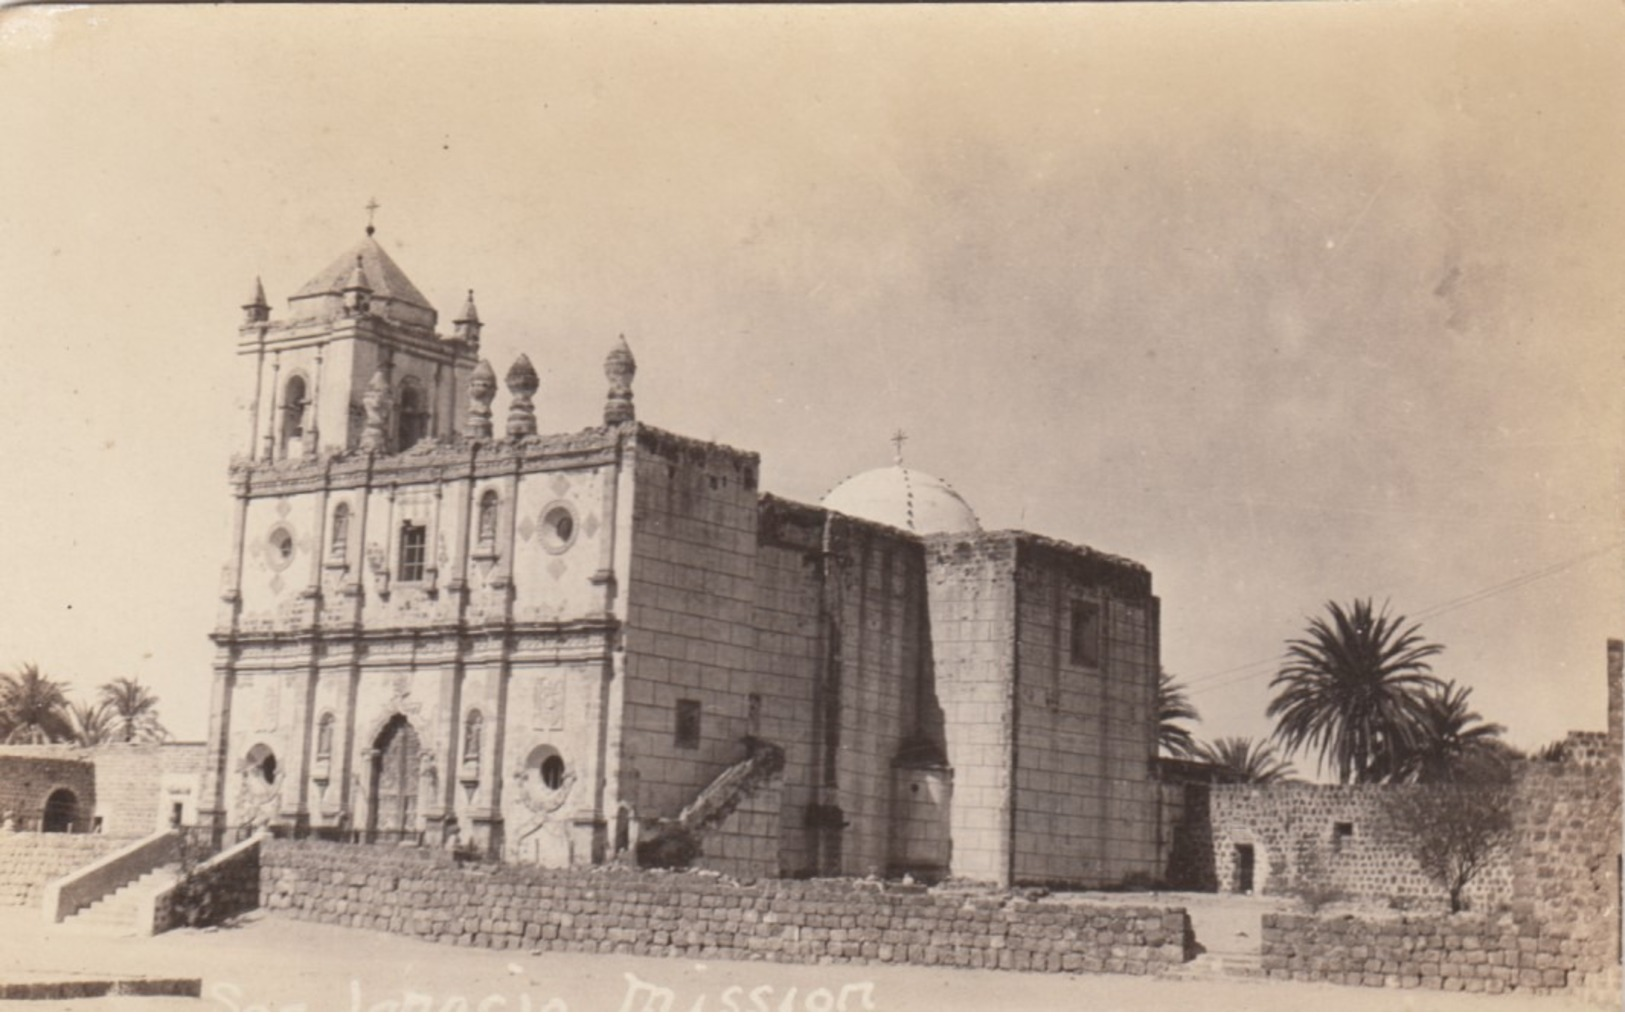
(781, 516)
(575, 628)
(283, 335)
(448, 459)
(459, 457)
(664, 444)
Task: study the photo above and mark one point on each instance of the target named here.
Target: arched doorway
(394, 812)
(61, 812)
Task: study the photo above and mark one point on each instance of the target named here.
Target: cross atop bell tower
(372, 206)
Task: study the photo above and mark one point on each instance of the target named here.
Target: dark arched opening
(61, 812)
(411, 415)
(294, 401)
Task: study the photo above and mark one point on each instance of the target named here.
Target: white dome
(904, 499)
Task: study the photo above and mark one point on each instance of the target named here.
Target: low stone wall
(650, 913)
(1332, 838)
(29, 860)
(220, 888)
(1449, 953)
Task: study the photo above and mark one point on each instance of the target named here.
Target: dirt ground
(270, 963)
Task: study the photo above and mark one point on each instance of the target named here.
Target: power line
(1260, 668)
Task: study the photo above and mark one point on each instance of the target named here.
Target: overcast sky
(1289, 302)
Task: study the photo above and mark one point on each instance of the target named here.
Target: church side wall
(971, 590)
(690, 643)
(789, 660)
(1085, 800)
(878, 611)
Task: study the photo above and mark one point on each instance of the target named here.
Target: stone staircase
(1229, 930)
(1209, 966)
(116, 913)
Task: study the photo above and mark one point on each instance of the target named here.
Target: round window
(553, 772)
(546, 766)
(281, 547)
(558, 528)
(262, 762)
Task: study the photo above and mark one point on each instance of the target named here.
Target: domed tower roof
(393, 294)
(903, 498)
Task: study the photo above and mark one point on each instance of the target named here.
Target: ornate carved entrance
(396, 761)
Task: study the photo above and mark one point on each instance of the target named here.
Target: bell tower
(359, 332)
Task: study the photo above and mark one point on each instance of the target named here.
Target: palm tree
(32, 707)
(1456, 743)
(1174, 706)
(1556, 751)
(1355, 688)
(92, 723)
(135, 710)
(1243, 760)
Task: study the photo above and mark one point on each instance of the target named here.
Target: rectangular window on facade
(1342, 832)
(1086, 634)
(688, 723)
(414, 551)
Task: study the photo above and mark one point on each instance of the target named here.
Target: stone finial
(468, 323)
(522, 384)
(256, 309)
(357, 292)
(375, 432)
(482, 388)
(620, 368)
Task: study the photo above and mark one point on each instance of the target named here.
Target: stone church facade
(440, 626)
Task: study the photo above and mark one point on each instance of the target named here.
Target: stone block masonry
(29, 860)
(131, 781)
(644, 913)
(31, 774)
(217, 890)
(1437, 952)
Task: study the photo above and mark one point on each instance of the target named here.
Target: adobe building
(122, 790)
(440, 626)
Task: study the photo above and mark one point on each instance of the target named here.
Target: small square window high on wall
(1085, 635)
(688, 723)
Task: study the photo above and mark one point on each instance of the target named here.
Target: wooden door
(395, 783)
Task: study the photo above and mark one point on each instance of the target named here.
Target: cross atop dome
(897, 439)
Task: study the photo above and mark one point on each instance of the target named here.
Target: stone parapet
(1439, 952)
(643, 913)
(220, 888)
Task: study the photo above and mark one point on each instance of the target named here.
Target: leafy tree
(1173, 707)
(1355, 689)
(1455, 742)
(1454, 830)
(33, 707)
(135, 710)
(1243, 760)
(91, 723)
